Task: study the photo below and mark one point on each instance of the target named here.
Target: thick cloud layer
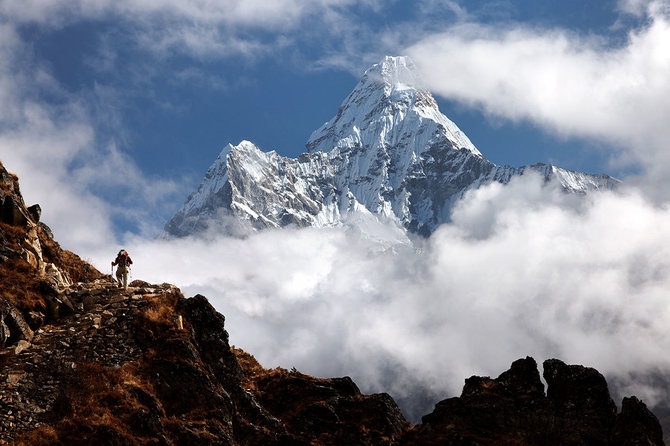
(522, 270)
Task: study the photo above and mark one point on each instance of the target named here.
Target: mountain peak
(394, 71)
(388, 152)
(386, 107)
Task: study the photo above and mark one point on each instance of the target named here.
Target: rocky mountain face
(513, 409)
(85, 362)
(389, 151)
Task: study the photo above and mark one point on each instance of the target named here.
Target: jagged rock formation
(84, 362)
(514, 410)
(389, 151)
(33, 267)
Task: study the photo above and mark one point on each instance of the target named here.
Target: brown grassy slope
(20, 283)
(121, 405)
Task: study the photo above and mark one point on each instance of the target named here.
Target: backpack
(123, 259)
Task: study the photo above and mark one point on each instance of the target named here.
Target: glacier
(389, 153)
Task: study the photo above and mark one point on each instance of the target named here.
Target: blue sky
(182, 111)
(153, 90)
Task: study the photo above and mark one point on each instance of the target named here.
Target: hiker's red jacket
(122, 260)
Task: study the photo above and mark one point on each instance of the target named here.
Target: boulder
(35, 212)
(16, 324)
(211, 337)
(56, 276)
(11, 211)
(4, 332)
(21, 346)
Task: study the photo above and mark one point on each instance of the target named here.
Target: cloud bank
(522, 270)
(572, 84)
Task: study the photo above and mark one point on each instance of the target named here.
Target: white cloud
(522, 270)
(196, 27)
(82, 181)
(638, 8)
(570, 84)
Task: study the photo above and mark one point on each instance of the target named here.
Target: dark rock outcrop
(513, 410)
(35, 212)
(14, 325)
(636, 425)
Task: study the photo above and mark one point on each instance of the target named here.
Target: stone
(21, 346)
(56, 276)
(35, 319)
(35, 212)
(31, 259)
(89, 302)
(14, 320)
(13, 379)
(11, 212)
(4, 332)
(636, 425)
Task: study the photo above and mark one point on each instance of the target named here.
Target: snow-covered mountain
(389, 152)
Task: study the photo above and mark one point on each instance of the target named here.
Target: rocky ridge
(388, 152)
(513, 409)
(85, 362)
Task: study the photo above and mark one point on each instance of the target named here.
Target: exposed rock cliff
(514, 410)
(33, 267)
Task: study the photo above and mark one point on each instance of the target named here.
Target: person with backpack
(124, 262)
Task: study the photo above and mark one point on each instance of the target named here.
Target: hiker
(124, 262)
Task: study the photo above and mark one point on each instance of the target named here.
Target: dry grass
(20, 281)
(250, 366)
(159, 314)
(12, 236)
(96, 405)
(159, 317)
(21, 285)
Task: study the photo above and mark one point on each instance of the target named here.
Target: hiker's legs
(122, 276)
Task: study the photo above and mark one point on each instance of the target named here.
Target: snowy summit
(388, 151)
